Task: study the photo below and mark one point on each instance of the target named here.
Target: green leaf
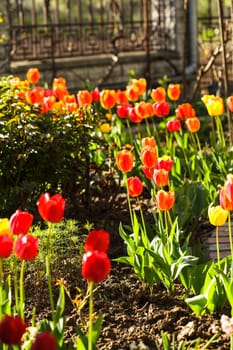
(197, 304)
(60, 304)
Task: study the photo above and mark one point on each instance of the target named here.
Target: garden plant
(173, 163)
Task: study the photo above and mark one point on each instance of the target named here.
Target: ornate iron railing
(41, 29)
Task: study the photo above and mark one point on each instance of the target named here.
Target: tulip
(140, 84)
(132, 93)
(148, 141)
(158, 94)
(108, 98)
(161, 177)
(228, 185)
(161, 109)
(121, 97)
(148, 157)
(97, 240)
(165, 200)
(134, 186)
(20, 222)
(6, 245)
(45, 341)
(193, 124)
(95, 95)
(133, 116)
(5, 227)
(33, 75)
(125, 160)
(12, 329)
(185, 111)
(141, 109)
(164, 162)
(26, 247)
(173, 91)
(224, 201)
(84, 97)
(217, 215)
(214, 105)
(105, 128)
(148, 172)
(51, 208)
(123, 110)
(95, 266)
(173, 125)
(230, 103)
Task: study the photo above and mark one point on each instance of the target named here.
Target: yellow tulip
(105, 128)
(5, 227)
(214, 105)
(217, 215)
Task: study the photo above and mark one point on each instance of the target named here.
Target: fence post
(4, 40)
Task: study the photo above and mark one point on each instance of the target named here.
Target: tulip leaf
(197, 304)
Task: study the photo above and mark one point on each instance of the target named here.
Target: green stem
(128, 200)
(16, 292)
(130, 131)
(230, 240)
(90, 343)
(142, 216)
(48, 274)
(220, 132)
(21, 289)
(217, 246)
(48, 271)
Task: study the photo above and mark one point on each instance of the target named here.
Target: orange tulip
(141, 109)
(148, 157)
(148, 172)
(193, 124)
(132, 93)
(173, 91)
(165, 200)
(148, 141)
(108, 98)
(33, 75)
(158, 94)
(140, 84)
(134, 186)
(185, 111)
(84, 98)
(121, 97)
(230, 103)
(161, 177)
(125, 160)
(133, 116)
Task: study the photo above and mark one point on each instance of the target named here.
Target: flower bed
(59, 151)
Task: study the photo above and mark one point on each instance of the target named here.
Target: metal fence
(41, 29)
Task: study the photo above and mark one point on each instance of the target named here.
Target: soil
(133, 317)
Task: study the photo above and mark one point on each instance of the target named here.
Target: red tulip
(97, 240)
(121, 97)
(164, 162)
(45, 341)
(193, 124)
(148, 172)
(133, 116)
(20, 222)
(123, 110)
(161, 109)
(12, 329)
(33, 75)
(125, 160)
(95, 266)
(161, 177)
(165, 200)
(26, 247)
(6, 245)
(51, 208)
(95, 95)
(173, 125)
(148, 157)
(135, 186)
(229, 187)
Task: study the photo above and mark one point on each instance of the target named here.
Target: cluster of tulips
(14, 329)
